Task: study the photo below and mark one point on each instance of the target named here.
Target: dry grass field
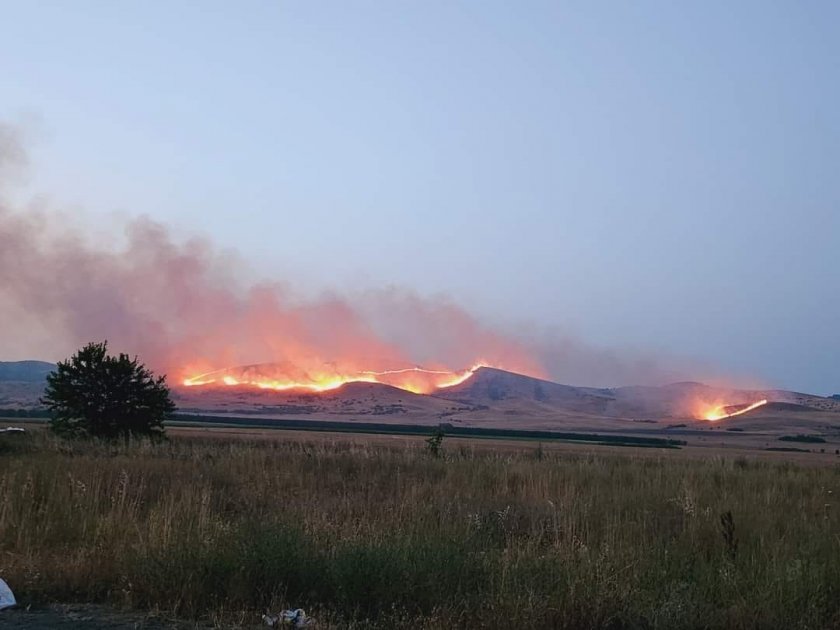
(366, 533)
(721, 445)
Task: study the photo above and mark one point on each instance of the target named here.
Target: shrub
(434, 444)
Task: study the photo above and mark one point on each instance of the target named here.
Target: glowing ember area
(719, 412)
(285, 378)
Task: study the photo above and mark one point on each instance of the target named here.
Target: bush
(434, 444)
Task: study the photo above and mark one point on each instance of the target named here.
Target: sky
(651, 175)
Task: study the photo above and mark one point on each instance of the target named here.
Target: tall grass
(391, 537)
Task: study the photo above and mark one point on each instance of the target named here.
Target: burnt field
(214, 527)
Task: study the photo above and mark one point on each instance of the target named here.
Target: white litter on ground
(7, 599)
(293, 617)
(13, 430)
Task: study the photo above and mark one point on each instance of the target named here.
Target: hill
(22, 383)
(498, 388)
(351, 401)
(25, 371)
(495, 387)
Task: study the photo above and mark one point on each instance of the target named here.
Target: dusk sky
(653, 176)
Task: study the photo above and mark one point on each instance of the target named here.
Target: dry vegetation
(373, 536)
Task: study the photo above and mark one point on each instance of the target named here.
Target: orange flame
(718, 412)
(414, 379)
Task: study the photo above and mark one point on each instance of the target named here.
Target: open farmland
(366, 533)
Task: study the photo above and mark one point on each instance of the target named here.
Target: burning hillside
(287, 377)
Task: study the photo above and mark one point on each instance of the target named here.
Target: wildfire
(719, 412)
(413, 379)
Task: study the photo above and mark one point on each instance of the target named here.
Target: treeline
(813, 439)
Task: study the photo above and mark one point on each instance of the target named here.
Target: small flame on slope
(719, 412)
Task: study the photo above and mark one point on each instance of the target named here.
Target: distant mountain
(25, 371)
(22, 383)
(510, 392)
(492, 387)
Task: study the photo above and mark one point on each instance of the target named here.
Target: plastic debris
(13, 430)
(293, 617)
(7, 599)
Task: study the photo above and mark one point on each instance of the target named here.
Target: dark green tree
(95, 394)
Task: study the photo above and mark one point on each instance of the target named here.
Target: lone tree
(99, 395)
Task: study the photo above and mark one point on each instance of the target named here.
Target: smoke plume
(178, 306)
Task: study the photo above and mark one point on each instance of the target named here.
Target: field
(363, 532)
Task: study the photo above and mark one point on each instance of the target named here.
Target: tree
(99, 395)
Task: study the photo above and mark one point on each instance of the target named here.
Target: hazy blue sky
(661, 175)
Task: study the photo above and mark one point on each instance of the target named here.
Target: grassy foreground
(370, 536)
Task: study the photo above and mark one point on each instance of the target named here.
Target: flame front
(718, 412)
(413, 379)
